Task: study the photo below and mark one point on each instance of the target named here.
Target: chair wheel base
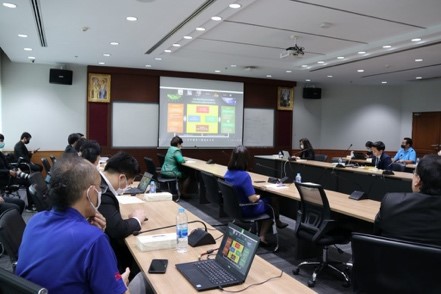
(311, 284)
(296, 271)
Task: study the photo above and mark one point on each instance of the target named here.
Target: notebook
(142, 186)
(231, 265)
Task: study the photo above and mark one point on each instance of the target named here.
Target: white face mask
(98, 196)
(120, 191)
(301, 146)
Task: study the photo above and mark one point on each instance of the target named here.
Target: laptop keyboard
(216, 274)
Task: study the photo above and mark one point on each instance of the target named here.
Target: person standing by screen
(406, 154)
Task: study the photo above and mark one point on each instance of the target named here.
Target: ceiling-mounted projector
(293, 51)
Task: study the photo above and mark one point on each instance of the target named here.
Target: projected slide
(203, 113)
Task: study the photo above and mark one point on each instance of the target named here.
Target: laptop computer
(142, 186)
(231, 265)
(286, 154)
(359, 155)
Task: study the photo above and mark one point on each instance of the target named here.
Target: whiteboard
(134, 124)
(258, 127)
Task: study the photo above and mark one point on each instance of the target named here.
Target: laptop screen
(238, 249)
(145, 181)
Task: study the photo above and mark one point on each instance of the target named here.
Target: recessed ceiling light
(188, 37)
(329, 76)
(27, 49)
(387, 46)
(22, 35)
(217, 71)
(418, 60)
(101, 63)
(384, 82)
(289, 71)
(31, 57)
(216, 18)
(320, 62)
(114, 43)
(360, 70)
(304, 65)
(176, 45)
(418, 78)
(340, 57)
(200, 29)
(9, 5)
(234, 5)
(167, 51)
(361, 52)
(148, 65)
(416, 39)
(307, 80)
(131, 18)
(158, 58)
(233, 65)
(106, 54)
(269, 76)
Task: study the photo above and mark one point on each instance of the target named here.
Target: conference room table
(364, 210)
(162, 214)
(340, 179)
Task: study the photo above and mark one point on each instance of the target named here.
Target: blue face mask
(2, 145)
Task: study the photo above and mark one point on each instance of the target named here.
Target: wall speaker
(60, 76)
(312, 93)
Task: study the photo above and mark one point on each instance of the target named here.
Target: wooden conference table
(163, 213)
(364, 210)
(344, 180)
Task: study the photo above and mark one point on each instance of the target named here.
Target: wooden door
(426, 132)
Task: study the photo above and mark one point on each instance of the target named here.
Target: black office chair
(12, 227)
(387, 265)
(11, 283)
(46, 165)
(8, 187)
(169, 184)
(212, 191)
(320, 157)
(314, 224)
(398, 167)
(39, 192)
(161, 158)
(232, 208)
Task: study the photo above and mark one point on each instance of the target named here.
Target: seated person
(379, 158)
(20, 150)
(172, 166)
(91, 151)
(368, 146)
(7, 175)
(238, 176)
(306, 150)
(117, 176)
(72, 141)
(415, 216)
(65, 249)
(406, 154)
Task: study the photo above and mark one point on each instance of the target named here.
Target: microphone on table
(273, 180)
(340, 164)
(387, 171)
(197, 237)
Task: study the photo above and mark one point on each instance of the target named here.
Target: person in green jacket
(172, 164)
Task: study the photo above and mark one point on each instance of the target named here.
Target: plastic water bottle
(298, 178)
(181, 231)
(152, 187)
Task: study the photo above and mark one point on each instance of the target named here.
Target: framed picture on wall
(98, 88)
(285, 98)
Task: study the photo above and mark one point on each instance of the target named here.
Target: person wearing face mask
(306, 150)
(379, 158)
(406, 154)
(20, 150)
(65, 249)
(117, 176)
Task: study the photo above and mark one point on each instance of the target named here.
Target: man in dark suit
(380, 159)
(415, 216)
(72, 140)
(20, 150)
(118, 174)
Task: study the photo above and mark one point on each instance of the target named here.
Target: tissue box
(162, 196)
(155, 242)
